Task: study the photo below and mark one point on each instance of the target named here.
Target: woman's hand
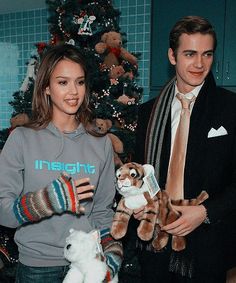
(84, 189)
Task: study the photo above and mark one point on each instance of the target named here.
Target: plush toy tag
(151, 184)
(97, 238)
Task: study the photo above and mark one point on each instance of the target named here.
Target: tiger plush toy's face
(130, 175)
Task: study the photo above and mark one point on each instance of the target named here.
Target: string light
(60, 22)
(4, 240)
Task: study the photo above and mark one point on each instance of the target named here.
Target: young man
(210, 160)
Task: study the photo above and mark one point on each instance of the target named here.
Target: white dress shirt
(176, 109)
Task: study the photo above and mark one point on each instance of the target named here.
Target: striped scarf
(180, 262)
(157, 124)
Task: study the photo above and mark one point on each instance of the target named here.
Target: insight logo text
(71, 168)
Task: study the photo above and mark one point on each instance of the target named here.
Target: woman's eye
(62, 82)
(81, 82)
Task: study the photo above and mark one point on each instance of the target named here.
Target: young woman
(55, 174)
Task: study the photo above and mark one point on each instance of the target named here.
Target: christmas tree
(22, 98)
(93, 26)
(114, 93)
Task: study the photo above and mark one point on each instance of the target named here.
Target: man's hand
(191, 217)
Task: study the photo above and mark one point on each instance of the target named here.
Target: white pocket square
(217, 133)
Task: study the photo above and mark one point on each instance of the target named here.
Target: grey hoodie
(29, 161)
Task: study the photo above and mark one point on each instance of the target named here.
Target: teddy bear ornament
(84, 252)
(111, 46)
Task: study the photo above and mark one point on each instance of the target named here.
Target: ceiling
(8, 6)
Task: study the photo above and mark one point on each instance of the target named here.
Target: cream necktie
(175, 177)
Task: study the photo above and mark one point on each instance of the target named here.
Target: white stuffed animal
(81, 250)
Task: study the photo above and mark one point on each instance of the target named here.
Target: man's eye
(209, 54)
(189, 54)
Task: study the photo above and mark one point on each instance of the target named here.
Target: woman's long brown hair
(41, 104)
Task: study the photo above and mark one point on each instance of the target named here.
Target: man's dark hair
(190, 25)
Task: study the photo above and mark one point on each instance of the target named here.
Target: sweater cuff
(56, 198)
(113, 252)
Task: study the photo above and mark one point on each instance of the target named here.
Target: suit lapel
(201, 121)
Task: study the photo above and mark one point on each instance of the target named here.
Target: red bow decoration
(116, 51)
(40, 47)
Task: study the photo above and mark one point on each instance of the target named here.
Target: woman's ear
(47, 90)
(171, 56)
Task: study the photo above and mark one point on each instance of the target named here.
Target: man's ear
(171, 56)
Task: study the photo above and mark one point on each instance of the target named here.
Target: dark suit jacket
(210, 165)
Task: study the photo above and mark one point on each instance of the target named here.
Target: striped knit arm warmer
(113, 252)
(56, 198)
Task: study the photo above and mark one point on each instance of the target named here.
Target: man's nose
(198, 61)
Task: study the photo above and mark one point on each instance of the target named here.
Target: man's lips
(196, 74)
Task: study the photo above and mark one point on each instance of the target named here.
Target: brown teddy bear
(103, 126)
(118, 71)
(111, 46)
(19, 120)
(124, 99)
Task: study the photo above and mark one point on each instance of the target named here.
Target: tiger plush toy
(167, 214)
(158, 210)
(130, 183)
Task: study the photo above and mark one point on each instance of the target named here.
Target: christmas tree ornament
(71, 41)
(85, 22)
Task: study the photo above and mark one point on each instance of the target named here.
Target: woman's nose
(73, 88)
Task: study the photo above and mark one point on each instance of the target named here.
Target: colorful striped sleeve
(58, 197)
(113, 252)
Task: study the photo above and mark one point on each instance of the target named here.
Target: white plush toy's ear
(148, 169)
(97, 238)
(95, 234)
(71, 230)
